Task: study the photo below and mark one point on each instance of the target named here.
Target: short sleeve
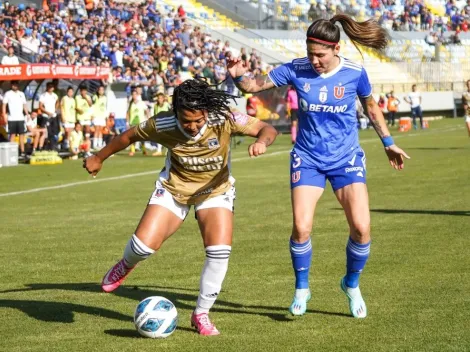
(241, 123)
(5, 99)
(147, 130)
(364, 88)
(281, 75)
(464, 99)
(41, 98)
(23, 98)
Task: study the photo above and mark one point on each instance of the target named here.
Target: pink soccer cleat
(115, 276)
(203, 325)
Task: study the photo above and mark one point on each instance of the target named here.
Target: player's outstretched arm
(94, 163)
(265, 135)
(395, 155)
(247, 84)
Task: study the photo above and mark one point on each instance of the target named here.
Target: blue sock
(301, 254)
(356, 258)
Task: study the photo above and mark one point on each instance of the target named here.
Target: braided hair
(197, 94)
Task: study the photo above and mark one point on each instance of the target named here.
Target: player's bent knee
(361, 231)
(301, 233)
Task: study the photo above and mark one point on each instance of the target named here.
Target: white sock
(213, 274)
(136, 251)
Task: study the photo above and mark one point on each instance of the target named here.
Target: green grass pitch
(56, 244)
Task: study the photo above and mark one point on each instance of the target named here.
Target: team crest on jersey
(338, 92)
(213, 143)
(295, 176)
(306, 87)
(323, 97)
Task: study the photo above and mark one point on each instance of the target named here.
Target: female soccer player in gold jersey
(196, 173)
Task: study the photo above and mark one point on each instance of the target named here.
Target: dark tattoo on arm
(375, 123)
(373, 117)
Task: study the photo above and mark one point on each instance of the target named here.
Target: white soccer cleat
(299, 303)
(357, 306)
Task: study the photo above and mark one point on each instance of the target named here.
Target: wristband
(387, 141)
(238, 79)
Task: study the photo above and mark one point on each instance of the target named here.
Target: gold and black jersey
(196, 168)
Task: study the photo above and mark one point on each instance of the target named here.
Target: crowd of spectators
(415, 15)
(144, 44)
(398, 15)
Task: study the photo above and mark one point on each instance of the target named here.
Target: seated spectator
(36, 132)
(78, 144)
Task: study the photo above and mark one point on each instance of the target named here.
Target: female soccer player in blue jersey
(327, 146)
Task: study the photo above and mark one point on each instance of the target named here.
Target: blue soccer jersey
(328, 135)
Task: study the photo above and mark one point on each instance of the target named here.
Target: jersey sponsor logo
(295, 176)
(201, 164)
(213, 143)
(338, 92)
(322, 108)
(302, 67)
(159, 192)
(306, 87)
(354, 169)
(323, 96)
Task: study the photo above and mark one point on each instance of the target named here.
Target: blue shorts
(352, 171)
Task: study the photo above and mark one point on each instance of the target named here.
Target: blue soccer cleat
(357, 306)
(299, 304)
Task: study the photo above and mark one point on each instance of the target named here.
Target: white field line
(155, 172)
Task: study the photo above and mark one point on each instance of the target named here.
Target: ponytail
(369, 33)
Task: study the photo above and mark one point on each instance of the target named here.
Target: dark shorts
(16, 127)
(352, 171)
(294, 115)
(416, 112)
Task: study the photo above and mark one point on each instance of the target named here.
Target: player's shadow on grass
(133, 334)
(422, 212)
(58, 312)
(419, 211)
(435, 148)
(181, 301)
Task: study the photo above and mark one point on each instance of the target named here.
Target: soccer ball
(155, 317)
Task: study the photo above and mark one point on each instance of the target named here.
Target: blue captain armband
(387, 141)
(238, 79)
